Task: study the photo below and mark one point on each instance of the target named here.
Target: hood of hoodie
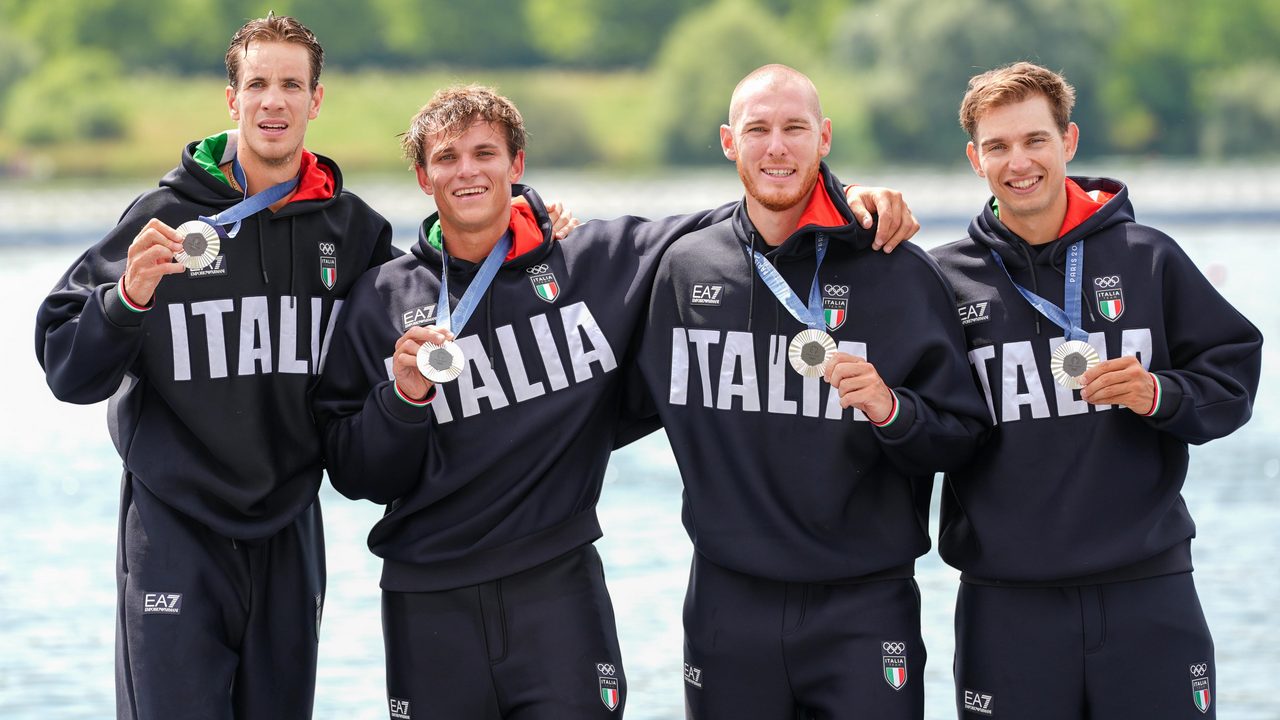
(200, 179)
(1093, 204)
(530, 226)
(827, 211)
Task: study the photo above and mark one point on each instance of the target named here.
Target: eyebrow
(452, 147)
(1026, 136)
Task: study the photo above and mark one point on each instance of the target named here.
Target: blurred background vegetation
(115, 87)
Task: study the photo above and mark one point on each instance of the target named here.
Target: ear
(971, 150)
(1070, 141)
(424, 181)
(825, 133)
(517, 167)
(233, 106)
(316, 98)
(726, 143)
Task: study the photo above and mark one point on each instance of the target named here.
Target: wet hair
(273, 28)
(1012, 84)
(452, 111)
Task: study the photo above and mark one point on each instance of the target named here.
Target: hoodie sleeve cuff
(899, 420)
(1168, 396)
(402, 408)
(122, 311)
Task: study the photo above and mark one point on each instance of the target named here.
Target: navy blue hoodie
(781, 482)
(1065, 492)
(209, 388)
(501, 471)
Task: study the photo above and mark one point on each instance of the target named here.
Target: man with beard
(806, 504)
(208, 360)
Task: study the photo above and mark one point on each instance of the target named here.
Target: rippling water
(59, 484)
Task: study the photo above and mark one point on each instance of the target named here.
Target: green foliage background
(114, 87)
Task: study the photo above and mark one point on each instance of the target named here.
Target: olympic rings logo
(836, 290)
(605, 669)
(328, 248)
(535, 269)
(1199, 669)
(1107, 282)
(894, 648)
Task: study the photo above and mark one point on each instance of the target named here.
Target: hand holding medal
(148, 259)
(419, 343)
(860, 386)
(1122, 381)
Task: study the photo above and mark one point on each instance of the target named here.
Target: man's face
(274, 101)
(777, 141)
(470, 177)
(1022, 154)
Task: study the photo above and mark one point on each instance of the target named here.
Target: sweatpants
(766, 650)
(212, 628)
(1135, 650)
(541, 644)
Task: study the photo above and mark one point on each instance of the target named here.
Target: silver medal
(809, 352)
(200, 244)
(1070, 360)
(440, 363)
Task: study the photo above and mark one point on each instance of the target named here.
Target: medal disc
(200, 244)
(809, 352)
(440, 363)
(1070, 360)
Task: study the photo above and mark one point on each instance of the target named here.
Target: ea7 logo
(707, 294)
(164, 603)
(399, 708)
(974, 312)
(977, 702)
(693, 675)
(424, 315)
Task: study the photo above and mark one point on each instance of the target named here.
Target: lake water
(59, 476)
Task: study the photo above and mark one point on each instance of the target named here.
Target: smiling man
(807, 501)
(208, 360)
(1102, 352)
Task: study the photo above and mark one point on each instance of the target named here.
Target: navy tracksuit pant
(537, 645)
(1134, 650)
(212, 628)
(758, 649)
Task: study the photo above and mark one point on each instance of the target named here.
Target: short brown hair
(273, 28)
(452, 110)
(1014, 83)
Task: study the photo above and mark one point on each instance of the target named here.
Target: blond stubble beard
(778, 203)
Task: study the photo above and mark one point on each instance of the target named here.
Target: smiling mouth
(470, 192)
(777, 173)
(273, 127)
(1023, 184)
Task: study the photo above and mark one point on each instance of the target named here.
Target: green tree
(602, 33)
(702, 60)
(74, 96)
(921, 54)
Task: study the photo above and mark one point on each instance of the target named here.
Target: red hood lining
(1081, 206)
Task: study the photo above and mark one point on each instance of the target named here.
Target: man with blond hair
(205, 317)
(1102, 352)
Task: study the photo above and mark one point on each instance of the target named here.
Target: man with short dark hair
(1103, 352)
(807, 504)
(205, 317)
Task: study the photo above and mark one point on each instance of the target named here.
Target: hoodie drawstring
(262, 251)
(292, 274)
(1035, 285)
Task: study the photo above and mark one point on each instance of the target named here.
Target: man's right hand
(404, 364)
(149, 259)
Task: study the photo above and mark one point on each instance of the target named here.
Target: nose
(273, 98)
(1019, 160)
(776, 147)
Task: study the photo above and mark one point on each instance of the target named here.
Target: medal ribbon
(467, 303)
(249, 205)
(1068, 320)
(811, 316)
